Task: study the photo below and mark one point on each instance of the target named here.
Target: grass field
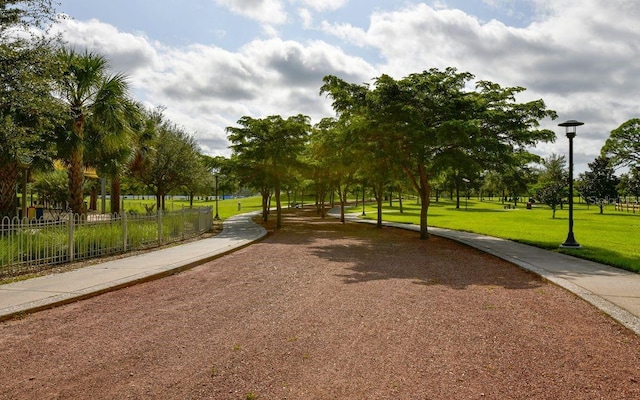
(611, 238)
(226, 208)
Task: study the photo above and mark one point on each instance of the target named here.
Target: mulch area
(324, 310)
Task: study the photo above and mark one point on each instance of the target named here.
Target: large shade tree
(431, 117)
(599, 184)
(266, 151)
(551, 188)
(358, 108)
(111, 151)
(167, 158)
(28, 112)
(623, 145)
(91, 95)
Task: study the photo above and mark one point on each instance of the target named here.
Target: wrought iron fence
(33, 245)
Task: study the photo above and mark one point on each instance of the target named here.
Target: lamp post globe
(570, 126)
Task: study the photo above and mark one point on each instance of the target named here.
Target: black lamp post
(570, 126)
(466, 192)
(217, 217)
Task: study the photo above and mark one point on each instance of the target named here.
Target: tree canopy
(28, 111)
(599, 184)
(623, 144)
(430, 121)
(266, 150)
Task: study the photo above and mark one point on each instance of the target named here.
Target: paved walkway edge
(238, 232)
(619, 314)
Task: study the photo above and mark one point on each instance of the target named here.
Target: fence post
(71, 243)
(182, 223)
(125, 240)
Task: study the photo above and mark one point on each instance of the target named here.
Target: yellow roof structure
(89, 172)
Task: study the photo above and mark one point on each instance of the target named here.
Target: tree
(623, 144)
(52, 186)
(630, 184)
(599, 184)
(169, 159)
(431, 118)
(338, 150)
(266, 150)
(111, 151)
(552, 182)
(89, 93)
(28, 112)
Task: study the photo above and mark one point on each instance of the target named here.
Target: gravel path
(322, 310)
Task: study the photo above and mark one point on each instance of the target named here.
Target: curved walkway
(55, 289)
(616, 292)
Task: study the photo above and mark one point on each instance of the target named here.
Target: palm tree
(111, 152)
(88, 93)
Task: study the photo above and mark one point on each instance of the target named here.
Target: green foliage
(52, 186)
(552, 182)
(171, 159)
(429, 123)
(96, 104)
(599, 184)
(28, 111)
(623, 144)
(629, 184)
(266, 151)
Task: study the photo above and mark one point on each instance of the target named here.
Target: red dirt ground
(322, 310)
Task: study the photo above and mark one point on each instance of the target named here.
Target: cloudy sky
(210, 62)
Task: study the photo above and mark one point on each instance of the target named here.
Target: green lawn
(612, 238)
(226, 208)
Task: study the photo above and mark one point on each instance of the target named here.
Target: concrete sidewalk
(614, 291)
(56, 289)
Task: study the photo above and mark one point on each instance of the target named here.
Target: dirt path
(321, 310)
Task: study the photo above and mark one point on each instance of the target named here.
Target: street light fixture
(570, 126)
(217, 217)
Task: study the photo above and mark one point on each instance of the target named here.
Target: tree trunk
(115, 194)
(93, 199)
(278, 206)
(265, 205)
(8, 181)
(342, 194)
(377, 191)
(425, 197)
(76, 181)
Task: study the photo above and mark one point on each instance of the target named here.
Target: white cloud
(323, 5)
(271, 12)
(577, 55)
(207, 88)
(306, 17)
(130, 53)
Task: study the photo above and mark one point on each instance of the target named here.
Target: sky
(211, 62)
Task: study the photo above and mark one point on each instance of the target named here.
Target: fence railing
(33, 245)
